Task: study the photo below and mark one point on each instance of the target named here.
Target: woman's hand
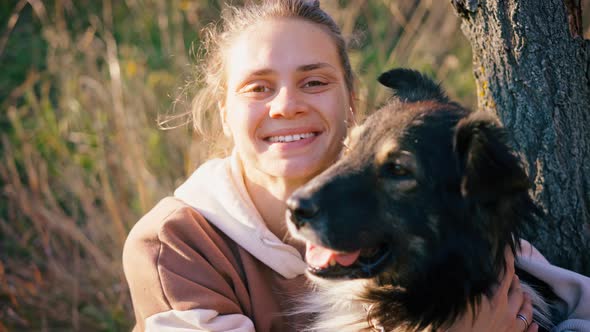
(499, 313)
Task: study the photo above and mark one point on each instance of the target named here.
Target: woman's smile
(292, 140)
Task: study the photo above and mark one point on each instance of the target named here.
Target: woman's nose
(286, 104)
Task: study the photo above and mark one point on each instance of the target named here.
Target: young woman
(215, 257)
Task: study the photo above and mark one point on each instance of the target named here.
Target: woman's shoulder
(172, 223)
(169, 211)
(175, 261)
(143, 245)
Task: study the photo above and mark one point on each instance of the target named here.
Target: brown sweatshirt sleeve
(174, 259)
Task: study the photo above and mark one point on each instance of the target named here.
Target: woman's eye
(314, 83)
(255, 88)
(258, 88)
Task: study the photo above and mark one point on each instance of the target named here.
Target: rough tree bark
(532, 68)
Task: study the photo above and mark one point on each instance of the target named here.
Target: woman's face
(287, 103)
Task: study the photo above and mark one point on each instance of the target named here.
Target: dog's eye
(397, 169)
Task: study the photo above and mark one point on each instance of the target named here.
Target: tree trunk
(532, 68)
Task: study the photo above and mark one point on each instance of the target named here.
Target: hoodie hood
(217, 191)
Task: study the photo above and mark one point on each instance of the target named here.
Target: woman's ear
(351, 113)
(223, 117)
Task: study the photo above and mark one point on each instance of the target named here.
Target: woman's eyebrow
(314, 66)
(302, 68)
(261, 72)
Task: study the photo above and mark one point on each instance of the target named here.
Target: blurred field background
(82, 83)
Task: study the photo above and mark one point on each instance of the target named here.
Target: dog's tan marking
(352, 137)
(384, 151)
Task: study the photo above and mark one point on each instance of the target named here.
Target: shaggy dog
(409, 228)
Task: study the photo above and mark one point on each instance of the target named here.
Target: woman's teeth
(289, 138)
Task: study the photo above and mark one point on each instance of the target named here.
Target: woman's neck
(269, 195)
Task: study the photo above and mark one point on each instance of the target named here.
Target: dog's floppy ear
(411, 86)
(490, 169)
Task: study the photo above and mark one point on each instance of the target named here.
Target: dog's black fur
(432, 194)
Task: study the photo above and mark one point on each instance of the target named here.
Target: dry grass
(83, 159)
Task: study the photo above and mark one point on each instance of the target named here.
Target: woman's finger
(515, 297)
(527, 307)
(501, 292)
(508, 272)
(533, 328)
(525, 314)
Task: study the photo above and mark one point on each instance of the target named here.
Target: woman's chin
(295, 170)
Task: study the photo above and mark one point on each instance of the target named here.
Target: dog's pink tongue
(320, 257)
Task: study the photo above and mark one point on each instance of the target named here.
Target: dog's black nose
(302, 210)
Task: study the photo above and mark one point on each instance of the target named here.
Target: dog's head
(426, 195)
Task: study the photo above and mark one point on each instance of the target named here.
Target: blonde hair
(210, 79)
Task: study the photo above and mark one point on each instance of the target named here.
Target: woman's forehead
(281, 45)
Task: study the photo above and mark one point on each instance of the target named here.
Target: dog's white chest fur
(339, 306)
